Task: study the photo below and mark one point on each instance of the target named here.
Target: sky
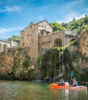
(15, 15)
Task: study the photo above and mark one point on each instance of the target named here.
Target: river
(24, 90)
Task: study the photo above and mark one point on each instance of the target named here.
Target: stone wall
(29, 39)
(48, 41)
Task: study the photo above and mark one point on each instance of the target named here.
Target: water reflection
(8, 91)
(66, 94)
(37, 91)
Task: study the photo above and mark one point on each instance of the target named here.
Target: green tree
(14, 37)
(56, 26)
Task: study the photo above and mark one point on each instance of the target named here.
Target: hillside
(75, 25)
(14, 37)
(57, 26)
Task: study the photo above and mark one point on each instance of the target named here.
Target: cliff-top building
(5, 45)
(39, 36)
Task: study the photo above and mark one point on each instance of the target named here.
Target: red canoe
(54, 85)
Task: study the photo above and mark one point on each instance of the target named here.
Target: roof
(44, 21)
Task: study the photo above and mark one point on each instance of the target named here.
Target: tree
(56, 26)
(73, 19)
(14, 37)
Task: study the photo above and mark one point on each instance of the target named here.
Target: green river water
(20, 90)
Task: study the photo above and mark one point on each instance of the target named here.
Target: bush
(81, 75)
(26, 63)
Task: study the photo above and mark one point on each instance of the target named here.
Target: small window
(30, 35)
(22, 37)
(23, 44)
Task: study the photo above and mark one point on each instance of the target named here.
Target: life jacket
(64, 84)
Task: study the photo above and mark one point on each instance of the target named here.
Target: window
(23, 44)
(31, 26)
(30, 35)
(27, 35)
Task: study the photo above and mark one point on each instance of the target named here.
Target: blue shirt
(62, 81)
(76, 83)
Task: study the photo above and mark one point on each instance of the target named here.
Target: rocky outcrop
(17, 63)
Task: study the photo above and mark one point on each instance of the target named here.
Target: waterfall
(39, 72)
(68, 69)
(62, 70)
(60, 60)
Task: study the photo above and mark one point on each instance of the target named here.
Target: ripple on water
(8, 91)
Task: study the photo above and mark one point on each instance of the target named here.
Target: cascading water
(53, 68)
(68, 70)
(40, 68)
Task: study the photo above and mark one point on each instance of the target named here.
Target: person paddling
(62, 83)
(75, 83)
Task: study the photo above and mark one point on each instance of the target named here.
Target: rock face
(16, 63)
(84, 43)
(6, 64)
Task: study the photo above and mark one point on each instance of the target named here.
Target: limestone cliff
(16, 64)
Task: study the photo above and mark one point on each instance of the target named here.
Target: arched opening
(58, 42)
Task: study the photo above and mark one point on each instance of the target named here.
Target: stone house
(4, 45)
(40, 36)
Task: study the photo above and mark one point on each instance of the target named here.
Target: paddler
(75, 83)
(62, 83)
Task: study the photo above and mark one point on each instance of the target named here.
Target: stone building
(4, 46)
(40, 36)
(84, 43)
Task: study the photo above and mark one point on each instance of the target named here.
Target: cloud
(9, 30)
(78, 17)
(10, 9)
(69, 17)
(60, 21)
(73, 3)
